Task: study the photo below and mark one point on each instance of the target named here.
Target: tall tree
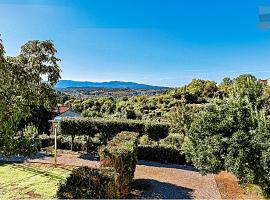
(21, 87)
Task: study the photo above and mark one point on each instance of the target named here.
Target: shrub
(26, 141)
(89, 183)
(110, 127)
(144, 140)
(233, 135)
(162, 154)
(80, 143)
(121, 154)
(173, 139)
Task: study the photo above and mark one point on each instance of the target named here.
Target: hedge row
(113, 179)
(156, 153)
(78, 143)
(121, 154)
(110, 127)
(90, 183)
(161, 154)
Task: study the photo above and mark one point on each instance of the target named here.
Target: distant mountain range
(112, 84)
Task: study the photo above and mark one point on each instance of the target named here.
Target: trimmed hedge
(161, 154)
(89, 183)
(113, 179)
(80, 143)
(121, 154)
(110, 127)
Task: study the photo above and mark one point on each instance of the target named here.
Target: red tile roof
(63, 109)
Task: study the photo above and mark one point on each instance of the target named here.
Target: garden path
(152, 180)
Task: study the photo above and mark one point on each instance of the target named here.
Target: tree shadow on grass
(33, 171)
(174, 166)
(153, 189)
(13, 159)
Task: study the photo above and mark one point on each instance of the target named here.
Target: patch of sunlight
(19, 181)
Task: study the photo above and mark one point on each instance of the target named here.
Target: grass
(20, 181)
(253, 189)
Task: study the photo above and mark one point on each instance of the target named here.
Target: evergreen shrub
(121, 154)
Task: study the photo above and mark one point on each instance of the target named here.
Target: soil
(229, 187)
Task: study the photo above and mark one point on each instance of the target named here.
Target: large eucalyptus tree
(21, 87)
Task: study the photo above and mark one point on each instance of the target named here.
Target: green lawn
(19, 181)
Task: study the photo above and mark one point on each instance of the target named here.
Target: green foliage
(173, 139)
(24, 142)
(121, 154)
(21, 87)
(233, 134)
(144, 140)
(197, 91)
(90, 113)
(181, 118)
(140, 107)
(202, 88)
(161, 153)
(40, 117)
(91, 126)
(226, 85)
(112, 180)
(89, 183)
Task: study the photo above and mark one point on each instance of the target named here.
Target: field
(18, 181)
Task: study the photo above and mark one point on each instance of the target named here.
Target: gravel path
(66, 158)
(152, 180)
(173, 182)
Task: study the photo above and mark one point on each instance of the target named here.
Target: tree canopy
(233, 134)
(21, 87)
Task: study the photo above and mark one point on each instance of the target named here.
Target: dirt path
(173, 181)
(152, 180)
(66, 158)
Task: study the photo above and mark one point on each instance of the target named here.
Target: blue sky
(159, 42)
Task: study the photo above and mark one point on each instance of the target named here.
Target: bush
(162, 154)
(144, 140)
(121, 154)
(173, 139)
(80, 143)
(232, 134)
(89, 183)
(110, 127)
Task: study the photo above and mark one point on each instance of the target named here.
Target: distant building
(64, 111)
(266, 82)
(60, 110)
